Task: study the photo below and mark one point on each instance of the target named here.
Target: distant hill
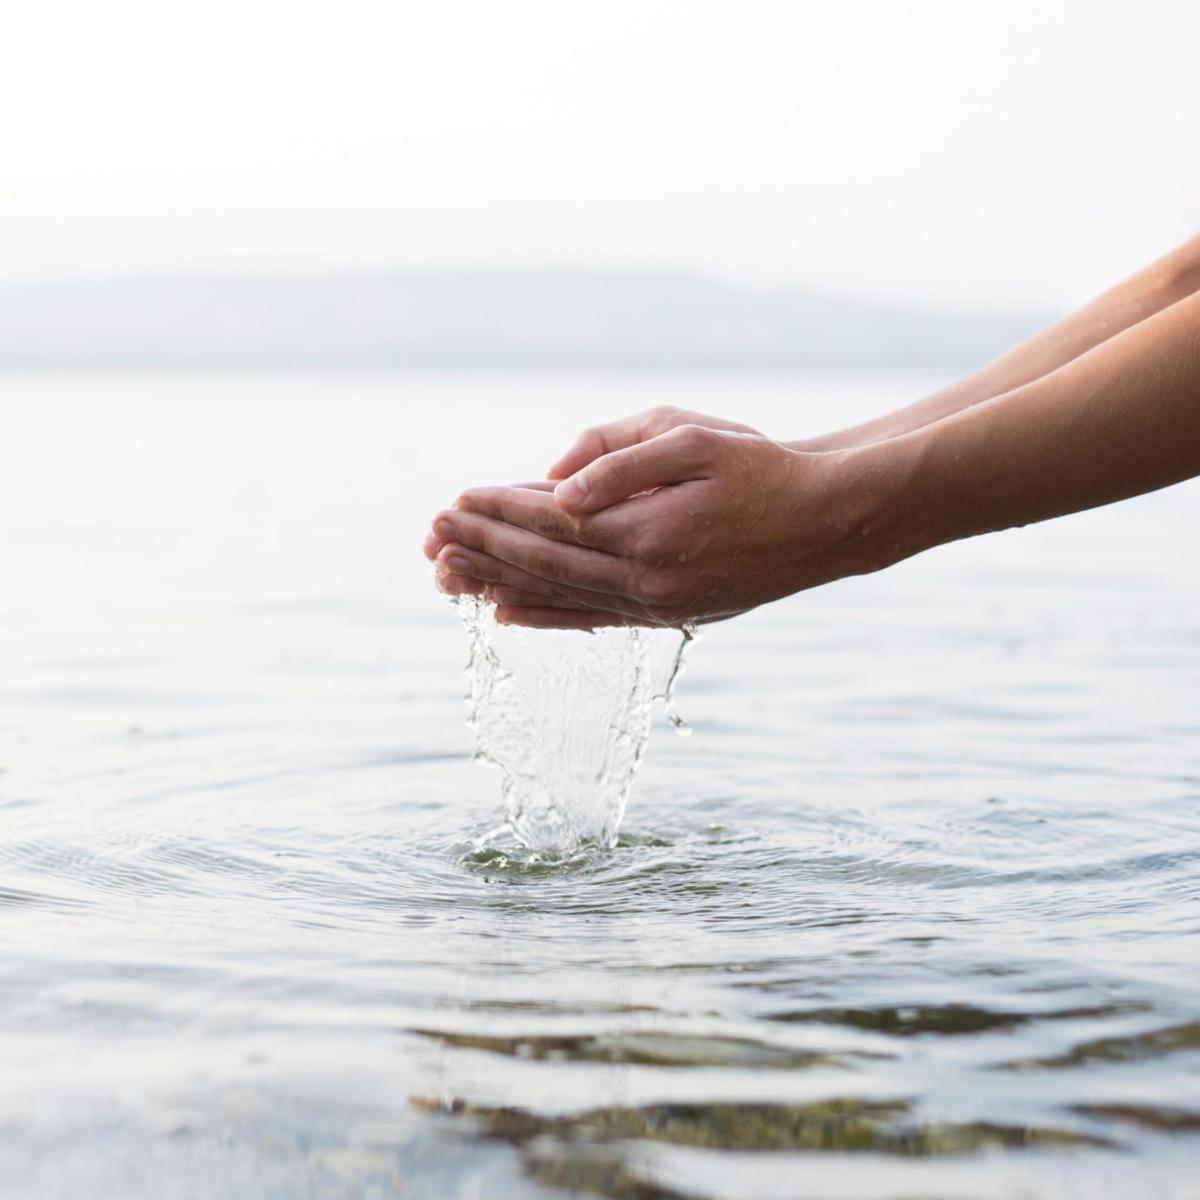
(477, 319)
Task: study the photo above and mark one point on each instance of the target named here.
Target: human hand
(692, 525)
(591, 444)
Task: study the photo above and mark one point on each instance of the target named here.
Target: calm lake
(913, 913)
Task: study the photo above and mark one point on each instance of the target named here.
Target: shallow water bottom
(915, 911)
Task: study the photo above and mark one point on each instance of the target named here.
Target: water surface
(915, 912)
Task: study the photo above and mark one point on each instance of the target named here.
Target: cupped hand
(691, 525)
(591, 444)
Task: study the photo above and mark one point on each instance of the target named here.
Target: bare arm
(1119, 420)
(1155, 287)
(721, 521)
(1171, 278)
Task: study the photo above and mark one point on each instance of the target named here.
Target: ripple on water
(914, 914)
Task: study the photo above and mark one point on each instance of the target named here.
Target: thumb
(604, 439)
(687, 452)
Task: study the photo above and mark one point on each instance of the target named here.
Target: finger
(537, 485)
(460, 585)
(432, 544)
(629, 431)
(576, 566)
(560, 618)
(534, 511)
(511, 597)
(540, 616)
(599, 440)
(474, 564)
(540, 513)
(680, 455)
(616, 435)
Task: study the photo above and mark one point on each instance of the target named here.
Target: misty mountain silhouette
(477, 319)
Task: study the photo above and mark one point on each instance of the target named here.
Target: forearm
(1158, 286)
(1117, 421)
(697, 524)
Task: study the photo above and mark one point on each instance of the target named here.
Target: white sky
(1009, 152)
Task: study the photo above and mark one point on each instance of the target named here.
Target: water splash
(565, 716)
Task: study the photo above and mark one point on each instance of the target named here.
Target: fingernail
(445, 531)
(571, 491)
(459, 564)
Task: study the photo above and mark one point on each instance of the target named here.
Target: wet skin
(672, 518)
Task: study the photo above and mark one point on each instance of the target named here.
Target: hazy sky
(1012, 152)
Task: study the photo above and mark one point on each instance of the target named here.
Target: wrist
(936, 485)
(872, 504)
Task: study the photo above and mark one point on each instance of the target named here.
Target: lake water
(914, 912)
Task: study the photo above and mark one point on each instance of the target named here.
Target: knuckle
(694, 437)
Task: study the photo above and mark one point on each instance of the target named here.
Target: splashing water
(565, 716)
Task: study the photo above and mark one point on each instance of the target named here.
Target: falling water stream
(565, 717)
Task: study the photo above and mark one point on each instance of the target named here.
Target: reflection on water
(651, 1049)
(1155, 1043)
(915, 913)
(945, 1020)
(836, 1125)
